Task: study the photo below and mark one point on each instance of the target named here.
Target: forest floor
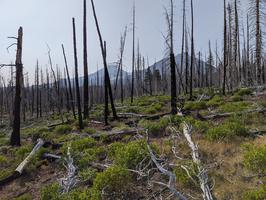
(114, 162)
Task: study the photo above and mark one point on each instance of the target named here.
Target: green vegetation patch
(229, 129)
(244, 91)
(62, 129)
(259, 194)
(195, 105)
(255, 159)
(234, 107)
(215, 101)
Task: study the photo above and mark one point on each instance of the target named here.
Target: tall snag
(133, 56)
(15, 135)
(107, 78)
(225, 48)
(85, 63)
(192, 52)
(77, 75)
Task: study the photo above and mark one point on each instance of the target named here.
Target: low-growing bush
(215, 101)
(89, 130)
(62, 129)
(26, 196)
(255, 159)
(89, 155)
(182, 177)
(227, 130)
(259, 194)
(263, 104)
(115, 181)
(88, 174)
(3, 160)
(244, 91)
(130, 155)
(195, 105)
(154, 128)
(153, 108)
(79, 145)
(234, 107)
(236, 98)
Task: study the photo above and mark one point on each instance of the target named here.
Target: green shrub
(89, 155)
(234, 107)
(62, 129)
(23, 151)
(79, 145)
(153, 108)
(115, 181)
(89, 130)
(87, 174)
(182, 177)
(199, 126)
(215, 101)
(244, 91)
(26, 196)
(50, 192)
(259, 194)
(114, 148)
(5, 173)
(130, 155)
(263, 104)
(237, 98)
(228, 130)
(3, 160)
(154, 128)
(195, 105)
(255, 159)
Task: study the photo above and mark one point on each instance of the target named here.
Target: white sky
(49, 21)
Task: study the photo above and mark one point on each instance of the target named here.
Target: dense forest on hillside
(189, 126)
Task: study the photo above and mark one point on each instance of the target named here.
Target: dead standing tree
(76, 75)
(85, 63)
(69, 84)
(133, 55)
(107, 82)
(15, 135)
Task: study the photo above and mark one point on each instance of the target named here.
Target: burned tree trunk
(15, 136)
(69, 84)
(133, 57)
(225, 48)
(77, 75)
(192, 52)
(85, 63)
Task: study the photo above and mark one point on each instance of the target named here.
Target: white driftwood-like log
(202, 173)
(171, 175)
(22, 165)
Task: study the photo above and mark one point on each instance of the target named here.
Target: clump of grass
(227, 130)
(89, 130)
(263, 104)
(26, 196)
(255, 159)
(195, 105)
(234, 107)
(62, 129)
(89, 155)
(79, 145)
(199, 126)
(88, 174)
(153, 108)
(244, 91)
(154, 128)
(215, 101)
(259, 194)
(115, 181)
(236, 98)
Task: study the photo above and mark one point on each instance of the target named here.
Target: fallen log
(202, 172)
(19, 170)
(115, 133)
(222, 115)
(148, 117)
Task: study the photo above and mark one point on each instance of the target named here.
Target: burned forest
(133, 100)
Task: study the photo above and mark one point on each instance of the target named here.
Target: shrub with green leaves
(259, 194)
(130, 155)
(154, 128)
(115, 181)
(236, 98)
(3, 160)
(255, 159)
(215, 101)
(153, 108)
(195, 105)
(50, 192)
(234, 107)
(89, 130)
(244, 91)
(26, 196)
(87, 174)
(227, 130)
(62, 129)
(182, 177)
(79, 145)
(89, 155)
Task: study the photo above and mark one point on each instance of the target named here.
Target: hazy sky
(49, 21)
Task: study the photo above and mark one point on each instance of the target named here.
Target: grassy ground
(231, 148)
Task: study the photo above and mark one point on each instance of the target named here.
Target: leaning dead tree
(76, 75)
(107, 82)
(15, 135)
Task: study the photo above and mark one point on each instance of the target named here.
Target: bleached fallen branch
(202, 172)
(18, 171)
(70, 180)
(171, 175)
